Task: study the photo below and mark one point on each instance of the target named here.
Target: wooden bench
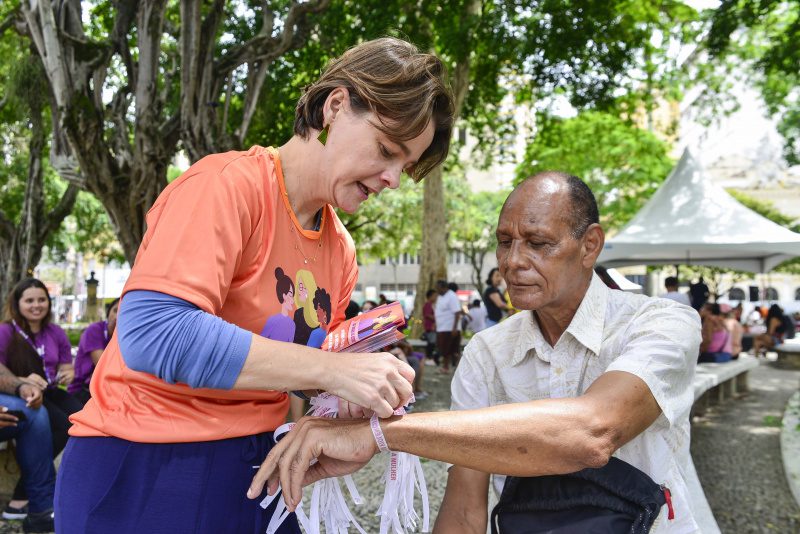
(788, 355)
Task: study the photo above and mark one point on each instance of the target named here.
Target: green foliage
(764, 36)
(768, 210)
(622, 164)
(387, 225)
(86, 230)
(472, 218)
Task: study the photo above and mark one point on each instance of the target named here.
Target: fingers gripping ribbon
(403, 476)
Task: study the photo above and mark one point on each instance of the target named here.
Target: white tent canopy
(691, 220)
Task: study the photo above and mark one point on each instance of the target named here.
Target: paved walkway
(736, 450)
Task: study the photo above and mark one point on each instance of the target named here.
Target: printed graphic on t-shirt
(305, 310)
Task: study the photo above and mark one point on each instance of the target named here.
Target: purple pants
(114, 486)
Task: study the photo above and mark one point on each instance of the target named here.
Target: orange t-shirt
(223, 237)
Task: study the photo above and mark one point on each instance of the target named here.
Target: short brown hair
(404, 88)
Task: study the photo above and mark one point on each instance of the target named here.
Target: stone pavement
(735, 448)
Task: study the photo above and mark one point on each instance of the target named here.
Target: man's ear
(337, 100)
(593, 241)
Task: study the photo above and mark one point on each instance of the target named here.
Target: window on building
(797, 294)
(754, 294)
(383, 261)
(736, 293)
(770, 293)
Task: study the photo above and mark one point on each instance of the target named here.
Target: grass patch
(773, 420)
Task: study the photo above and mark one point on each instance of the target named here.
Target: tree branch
(59, 212)
(7, 227)
(249, 52)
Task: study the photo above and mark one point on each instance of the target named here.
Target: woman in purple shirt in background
(93, 342)
(38, 353)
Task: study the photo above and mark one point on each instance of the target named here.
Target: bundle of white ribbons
(403, 476)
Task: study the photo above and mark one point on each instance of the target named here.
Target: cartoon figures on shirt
(281, 326)
(322, 306)
(305, 317)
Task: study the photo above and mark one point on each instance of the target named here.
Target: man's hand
(7, 419)
(35, 380)
(378, 382)
(340, 446)
(31, 394)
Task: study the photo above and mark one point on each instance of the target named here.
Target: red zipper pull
(668, 497)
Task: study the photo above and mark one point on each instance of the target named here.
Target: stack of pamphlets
(369, 331)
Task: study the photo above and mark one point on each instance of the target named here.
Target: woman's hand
(31, 394)
(35, 380)
(378, 382)
(66, 374)
(350, 410)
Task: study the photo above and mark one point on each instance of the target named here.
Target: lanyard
(39, 349)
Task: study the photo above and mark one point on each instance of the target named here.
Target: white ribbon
(403, 475)
(328, 504)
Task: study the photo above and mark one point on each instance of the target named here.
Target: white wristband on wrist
(377, 433)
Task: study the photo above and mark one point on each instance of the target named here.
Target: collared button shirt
(655, 339)
(445, 310)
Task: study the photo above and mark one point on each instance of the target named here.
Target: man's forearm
(526, 439)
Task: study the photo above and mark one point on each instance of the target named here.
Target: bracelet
(19, 386)
(377, 433)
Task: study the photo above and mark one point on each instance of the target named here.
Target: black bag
(616, 498)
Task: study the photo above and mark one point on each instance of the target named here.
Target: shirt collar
(586, 326)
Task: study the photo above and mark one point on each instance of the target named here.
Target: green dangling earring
(323, 136)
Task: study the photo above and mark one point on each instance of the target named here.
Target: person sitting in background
(477, 314)
(671, 283)
(352, 310)
(91, 346)
(368, 305)
(775, 331)
(30, 427)
(405, 353)
(38, 352)
(735, 329)
(716, 342)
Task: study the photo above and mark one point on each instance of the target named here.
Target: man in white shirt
(585, 374)
(447, 312)
(671, 283)
(477, 316)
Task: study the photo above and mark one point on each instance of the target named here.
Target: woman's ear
(337, 101)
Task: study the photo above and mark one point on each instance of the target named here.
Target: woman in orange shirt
(187, 395)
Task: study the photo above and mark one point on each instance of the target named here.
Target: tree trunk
(434, 226)
(21, 244)
(122, 159)
(433, 263)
